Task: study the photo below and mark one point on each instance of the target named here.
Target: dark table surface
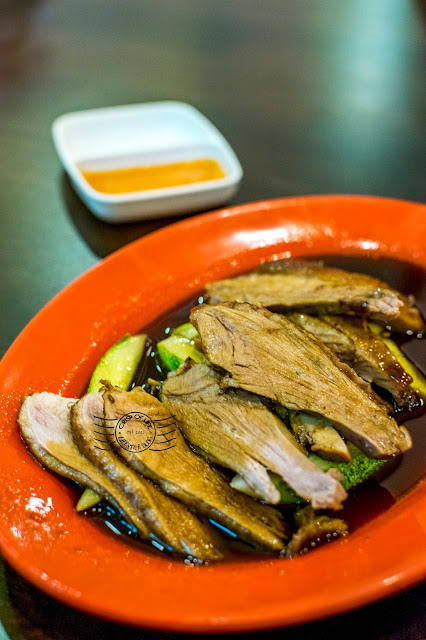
(315, 97)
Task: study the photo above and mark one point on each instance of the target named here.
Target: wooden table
(315, 97)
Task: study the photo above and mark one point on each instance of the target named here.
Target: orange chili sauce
(174, 174)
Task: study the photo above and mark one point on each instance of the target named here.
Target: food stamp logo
(135, 432)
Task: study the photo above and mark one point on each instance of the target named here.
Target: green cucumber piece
(419, 382)
(186, 330)
(88, 499)
(175, 350)
(119, 363)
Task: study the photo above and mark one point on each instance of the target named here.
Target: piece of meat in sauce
(312, 288)
(171, 464)
(240, 432)
(45, 424)
(169, 520)
(267, 354)
(360, 348)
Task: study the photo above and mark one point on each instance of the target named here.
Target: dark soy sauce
(370, 499)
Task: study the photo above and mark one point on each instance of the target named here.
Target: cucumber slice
(88, 499)
(377, 329)
(175, 350)
(419, 382)
(119, 363)
(186, 331)
(354, 473)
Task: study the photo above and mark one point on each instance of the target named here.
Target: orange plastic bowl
(74, 559)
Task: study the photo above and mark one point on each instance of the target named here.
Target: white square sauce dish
(147, 160)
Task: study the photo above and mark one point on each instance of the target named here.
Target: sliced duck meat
(374, 362)
(364, 351)
(340, 363)
(169, 520)
(341, 344)
(315, 289)
(44, 420)
(347, 358)
(239, 430)
(267, 354)
(313, 530)
(152, 444)
(320, 436)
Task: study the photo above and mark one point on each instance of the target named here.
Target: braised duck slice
(267, 354)
(374, 362)
(360, 348)
(169, 520)
(315, 289)
(152, 444)
(241, 433)
(44, 420)
(341, 344)
(342, 347)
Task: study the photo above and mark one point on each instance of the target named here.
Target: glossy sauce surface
(132, 179)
